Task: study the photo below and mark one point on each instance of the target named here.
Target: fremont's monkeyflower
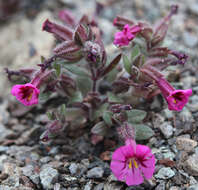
(27, 93)
(133, 163)
(124, 37)
(176, 99)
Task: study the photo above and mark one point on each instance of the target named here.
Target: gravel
(165, 173)
(48, 177)
(73, 163)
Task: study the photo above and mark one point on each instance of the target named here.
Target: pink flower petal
(134, 177)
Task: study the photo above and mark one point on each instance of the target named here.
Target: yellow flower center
(134, 162)
(29, 96)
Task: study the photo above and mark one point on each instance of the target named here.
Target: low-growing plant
(100, 93)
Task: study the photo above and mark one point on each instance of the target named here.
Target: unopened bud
(93, 53)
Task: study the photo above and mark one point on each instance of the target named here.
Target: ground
(71, 162)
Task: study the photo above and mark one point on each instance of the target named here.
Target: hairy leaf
(136, 116)
(113, 98)
(99, 129)
(127, 64)
(107, 115)
(143, 132)
(112, 65)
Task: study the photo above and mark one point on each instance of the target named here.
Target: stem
(47, 63)
(94, 78)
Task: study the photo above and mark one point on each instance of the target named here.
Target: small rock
(157, 120)
(73, 168)
(185, 144)
(161, 186)
(4, 132)
(99, 186)
(168, 113)
(28, 170)
(45, 159)
(166, 129)
(96, 172)
(165, 173)
(48, 177)
(189, 39)
(88, 186)
(191, 165)
(3, 149)
(193, 187)
(193, 181)
(174, 188)
(35, 178)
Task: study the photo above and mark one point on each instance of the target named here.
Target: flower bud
(92, 51)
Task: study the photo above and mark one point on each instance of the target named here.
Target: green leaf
(99, 129)
(127, 64)
(77, 97)
(84, 84)
(43, 97)
(57, 67)
(135, 52)
(113, 98)
(136, 116)
(79, 71)
(99, 112)
(112, 65)
(63, 109)
(143, 132)
(49, 115)
(107, 115)
(73, 114)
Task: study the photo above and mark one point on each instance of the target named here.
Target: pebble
(99, 186)
(4, 132)
(193, 187)
(88, 186)
(73, 168)
(174, 188)
(161, 186)
(48, 177)
(165, 173)
(191, 165)
(166, 129)
(28, 170)
(96, 172)
(190, 40)
(185, 144)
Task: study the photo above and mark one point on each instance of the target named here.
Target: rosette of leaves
(134, 117)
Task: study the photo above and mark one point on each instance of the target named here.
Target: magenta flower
(176, 99)
(124, 37)
(27, 93)
(133, 163)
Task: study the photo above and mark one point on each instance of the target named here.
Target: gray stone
(99, 186)
(3, 149)
(174, 188)
(191, 165)
(35, 178)
(185, 144)
(28, 170)
(45, 159)
(168, 113)
(193, 187)
(189, 39)
(73, 168)
(4, 132)
(88, 186)
(165, 173)
(166, 129)
(48, 177)
(161, 186)
(96, 172)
